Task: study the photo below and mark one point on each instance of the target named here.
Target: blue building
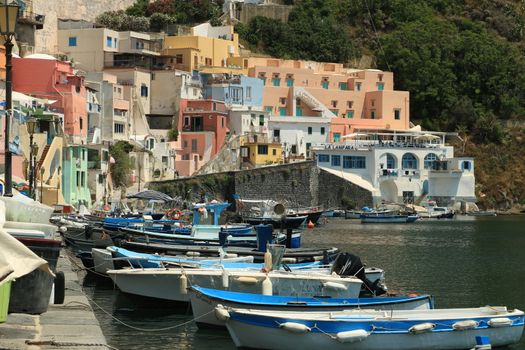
(234, 90)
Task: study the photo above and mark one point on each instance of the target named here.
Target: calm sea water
(465, 262)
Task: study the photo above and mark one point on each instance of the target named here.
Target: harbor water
(463, 262)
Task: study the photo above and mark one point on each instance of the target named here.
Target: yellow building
(207, 49)
(258, 150)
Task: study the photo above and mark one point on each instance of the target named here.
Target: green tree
(121, 169)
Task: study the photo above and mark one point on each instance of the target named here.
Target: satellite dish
(278, 209)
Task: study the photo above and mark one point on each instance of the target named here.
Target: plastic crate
(5, 292)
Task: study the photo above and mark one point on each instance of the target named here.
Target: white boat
(372, 329)
(205, 300)
(172, 283)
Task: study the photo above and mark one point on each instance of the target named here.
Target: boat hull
(166, 283)
(203, 305)
(252, 329)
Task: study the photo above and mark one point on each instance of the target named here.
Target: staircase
(312, 102)
(43, 157)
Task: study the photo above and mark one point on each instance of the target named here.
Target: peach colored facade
(55, 80)
(352, 98)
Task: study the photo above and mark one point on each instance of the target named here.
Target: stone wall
(88, 10)
(298, 184)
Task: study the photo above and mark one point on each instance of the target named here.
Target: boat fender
(334, 286)
(352, 336)
(500, 322)
(221, 313)
(289, 260)
(464, 325)
(421, 328)
(295, 327)
(310, 224)
(268, 261)
(193, 254)
(247, 280)
(183, 284)
(63, 229)
(230, 255)
(225, 279)
(267, 287)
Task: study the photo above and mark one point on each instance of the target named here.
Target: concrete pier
(71, 325)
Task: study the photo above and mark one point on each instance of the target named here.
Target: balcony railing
(28, 17)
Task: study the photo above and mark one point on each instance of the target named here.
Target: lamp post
(8, 18)
(34, 150)
(31, 126)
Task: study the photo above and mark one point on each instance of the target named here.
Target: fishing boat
(270, 212)
(172, 283)
(380, 218)
(291, 255)
(205, 300)
(373, 329)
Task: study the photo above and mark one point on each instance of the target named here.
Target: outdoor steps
(43, 157)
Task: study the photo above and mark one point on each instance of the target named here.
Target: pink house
(204, 128)
(46, 77)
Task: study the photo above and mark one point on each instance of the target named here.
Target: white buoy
(352, 336)
(225, 279)
(464, 325)
(295, 327)
(267, 287)
(268, 261)
(422, 328)
(221, 313)
(247, 280)
(500, 322)
(183, 284)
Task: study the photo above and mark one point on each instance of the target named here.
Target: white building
(407, 166)
(248, 120)
(299, 134)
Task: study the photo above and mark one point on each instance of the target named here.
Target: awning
(151, 195)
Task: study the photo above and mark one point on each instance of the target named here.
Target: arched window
(429, 160)
(390, 161)
(409, 161)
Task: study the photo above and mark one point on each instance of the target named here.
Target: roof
(41, 56)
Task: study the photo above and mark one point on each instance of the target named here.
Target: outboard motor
(347, 264)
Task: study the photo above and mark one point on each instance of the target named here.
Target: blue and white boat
(205, 300)
(374, 329)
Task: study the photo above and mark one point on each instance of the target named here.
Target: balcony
(388, 173)
(31, 18)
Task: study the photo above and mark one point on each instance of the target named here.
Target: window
(373, 103)
(236, 94)
(143, 90)
(465, 165)
(380, 86)
(178, 59)
(78, 178)
(186, 121)
(308, 146)
(118, 128)
(248, 92)
(429, 160)
(274, 152)
(261, 120)
(276, 132)
(323, 158)
(72, 41)
(373, 115)
(309, 130)
(336, 160)
(282, 100)
(409, 161)
(358, 86)
(390, 161)
(289, 82)
(185, 144)
(262, 149)
(115, 43)
(298, 111)
(397, 114)
(81, 123)
(334, 103)
(350, 114)
(354, 162)
(325, 84)
(282, 111)
(268, 109)
(322, 130)
(276, 81)
(222, 122)
(109, 41)
(194, 145)
(350, 104)
(82, 179)
(214, 106)
(337, 137)
(343, 86)
(335, 111)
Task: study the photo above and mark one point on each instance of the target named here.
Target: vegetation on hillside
(121, 169)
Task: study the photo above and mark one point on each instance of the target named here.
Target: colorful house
(258, 149)
(75, 176)
(233, 90)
